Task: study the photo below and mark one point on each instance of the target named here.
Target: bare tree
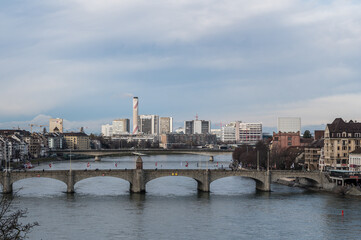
(10, 226)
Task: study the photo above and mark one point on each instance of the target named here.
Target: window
(289, 138)
(338, 135)
(289, 143)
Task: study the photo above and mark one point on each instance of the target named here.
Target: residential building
(313, 154)
(55, 140)
(341, 138)
(319, 134)
(197, 127)
(121, 126)
(289, 124)
(55, 125)
(148, 124)
(284, 140)
(165, 125)
(77, 140)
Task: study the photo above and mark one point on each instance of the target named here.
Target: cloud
(227, 60)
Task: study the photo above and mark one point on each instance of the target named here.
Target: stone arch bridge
(138, 178)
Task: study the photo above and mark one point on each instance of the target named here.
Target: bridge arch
(175, 185)
(56, 177)
(113, 183)
(260, 181)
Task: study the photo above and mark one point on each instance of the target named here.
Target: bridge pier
(204, 185)
(7, 185)
(138, 184)
(70, 183)
(264, 186)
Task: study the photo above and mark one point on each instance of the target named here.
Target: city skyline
(83, 61)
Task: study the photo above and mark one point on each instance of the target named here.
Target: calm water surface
(103, 208)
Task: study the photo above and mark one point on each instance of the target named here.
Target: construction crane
(41, 126)
(31, 127)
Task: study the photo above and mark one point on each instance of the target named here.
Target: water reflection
(172, 208)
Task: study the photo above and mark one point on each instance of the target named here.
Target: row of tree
(246, 156)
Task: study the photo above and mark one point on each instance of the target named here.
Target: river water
(103, 208)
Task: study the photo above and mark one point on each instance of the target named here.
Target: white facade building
(244, 133)
(355, 160)
(121, 126)
(228, 133)
(107, 130)
(289, 124)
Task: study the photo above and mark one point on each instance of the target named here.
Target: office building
(148, 124)
(197, 127)
(243, 133)
(55, 125)
(107, 130)
(121, 126)
(165, 125)
(289, 124)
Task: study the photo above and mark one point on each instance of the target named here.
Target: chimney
(135, 115)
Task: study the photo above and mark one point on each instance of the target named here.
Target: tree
(10, 227)
(307, 134)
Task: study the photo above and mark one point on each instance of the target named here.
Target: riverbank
(342, 190)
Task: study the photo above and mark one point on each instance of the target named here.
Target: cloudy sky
(224, 60)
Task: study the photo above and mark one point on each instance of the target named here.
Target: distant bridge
(109, 152)
(138, 178)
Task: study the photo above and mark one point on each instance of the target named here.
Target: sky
(225, 60)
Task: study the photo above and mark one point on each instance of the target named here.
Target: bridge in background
(97, 154)
(138, 178)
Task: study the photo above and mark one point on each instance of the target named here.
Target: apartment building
(341, 138)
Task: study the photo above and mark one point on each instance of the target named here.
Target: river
(172, 208)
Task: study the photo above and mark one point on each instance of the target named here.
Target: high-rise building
(121, 126)
(55, 125)
(148, 124)
(228, 133)
(244, 133)
(289, 124)
(197, 127)
(165, 125)
(135, 115)
(107, 130)
(249, 133)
